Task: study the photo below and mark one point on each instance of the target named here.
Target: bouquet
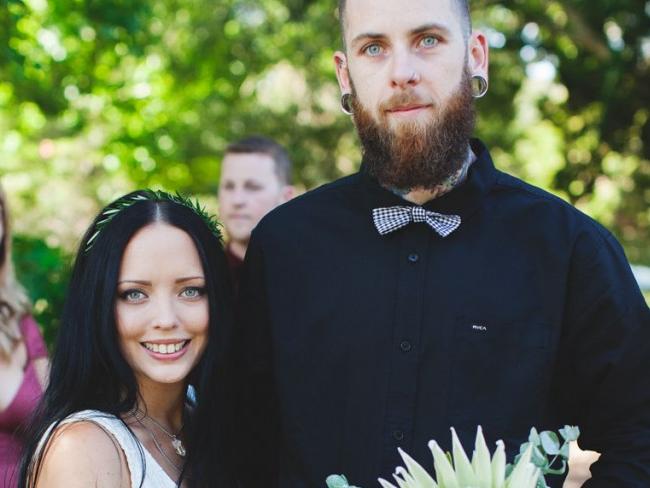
(542, 455)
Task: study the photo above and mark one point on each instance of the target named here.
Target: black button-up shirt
(352, 344)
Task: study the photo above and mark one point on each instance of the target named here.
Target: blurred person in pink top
(23, 359)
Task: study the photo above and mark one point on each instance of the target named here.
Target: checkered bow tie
(389, 219)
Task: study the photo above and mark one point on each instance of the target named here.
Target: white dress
(134, 451)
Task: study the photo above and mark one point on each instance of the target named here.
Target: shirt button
(405, 346)
(413, 258)
(398, 435)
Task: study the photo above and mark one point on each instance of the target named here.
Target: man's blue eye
(429, 41)
(373, 49)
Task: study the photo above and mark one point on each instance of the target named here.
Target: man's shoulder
(541, 204)
(548, 223)
(323, 194)
(322, 199)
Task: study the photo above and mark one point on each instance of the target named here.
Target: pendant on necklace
(178, 446)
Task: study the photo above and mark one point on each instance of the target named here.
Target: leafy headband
(154, 196)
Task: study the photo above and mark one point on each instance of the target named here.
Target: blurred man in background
(255, 178)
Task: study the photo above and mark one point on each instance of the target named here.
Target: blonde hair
(13, 299)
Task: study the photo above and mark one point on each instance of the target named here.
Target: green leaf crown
(154, 196)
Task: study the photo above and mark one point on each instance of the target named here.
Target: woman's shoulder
(82, 452)
(84, 437)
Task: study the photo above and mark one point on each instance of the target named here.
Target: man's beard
(414, 155)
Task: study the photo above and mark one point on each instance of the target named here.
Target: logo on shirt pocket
(498, 372)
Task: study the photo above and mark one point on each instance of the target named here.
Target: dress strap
(142, 466)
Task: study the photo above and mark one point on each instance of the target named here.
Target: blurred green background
(100, 97)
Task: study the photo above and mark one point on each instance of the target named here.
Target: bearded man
(431, 290)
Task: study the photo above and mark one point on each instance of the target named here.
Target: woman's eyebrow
(189, 278)
(148, 283)
(138, 282)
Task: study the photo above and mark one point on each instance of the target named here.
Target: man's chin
(405, 124)
(238, 234)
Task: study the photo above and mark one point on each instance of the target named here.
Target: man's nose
(403, 69)
(239, 196)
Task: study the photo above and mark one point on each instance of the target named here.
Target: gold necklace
(177, 443)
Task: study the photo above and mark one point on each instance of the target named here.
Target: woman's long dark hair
(88, 369)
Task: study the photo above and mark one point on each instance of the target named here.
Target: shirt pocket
(499, 372)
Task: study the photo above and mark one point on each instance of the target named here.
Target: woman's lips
(166, 350)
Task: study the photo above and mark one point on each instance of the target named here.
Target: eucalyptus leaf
(550, 442)
(570, 433)
(337, 481)
(538, 457)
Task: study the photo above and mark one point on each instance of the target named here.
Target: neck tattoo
(447, 185)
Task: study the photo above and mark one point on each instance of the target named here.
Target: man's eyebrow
(430, 27)
(366, 35)
(418, 30)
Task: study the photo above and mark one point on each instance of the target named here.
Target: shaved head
(462, 8)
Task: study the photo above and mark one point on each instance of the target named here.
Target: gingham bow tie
(389, 219)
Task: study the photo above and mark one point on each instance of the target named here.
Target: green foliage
(44, 272)
(456, 470)
(590, 121)
(100, 98)
(338, 481)
(547, 444)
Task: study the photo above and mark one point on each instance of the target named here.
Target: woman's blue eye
(193, 292)
(429, 41)
(373, 49)
(132, 295)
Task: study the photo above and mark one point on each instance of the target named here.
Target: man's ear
(342, 72)
(478, 54)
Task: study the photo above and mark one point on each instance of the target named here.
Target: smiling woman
(148, 313)
(161, 311)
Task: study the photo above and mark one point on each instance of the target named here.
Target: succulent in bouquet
(543, 454)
